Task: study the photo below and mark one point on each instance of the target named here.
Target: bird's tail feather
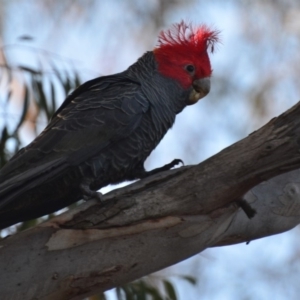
(15, 186)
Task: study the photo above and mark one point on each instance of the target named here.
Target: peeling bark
(161, 220)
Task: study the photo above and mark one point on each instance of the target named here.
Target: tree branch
(161, 220)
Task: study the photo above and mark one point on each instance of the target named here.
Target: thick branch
(161, 220)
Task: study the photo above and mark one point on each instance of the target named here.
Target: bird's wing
(97, 114)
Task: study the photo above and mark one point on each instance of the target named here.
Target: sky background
(256, 77)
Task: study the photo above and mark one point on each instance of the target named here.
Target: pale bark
(160, 221)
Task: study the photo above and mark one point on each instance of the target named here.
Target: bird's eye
(190, 68)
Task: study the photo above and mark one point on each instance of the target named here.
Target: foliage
(143, 289)
(39, 90)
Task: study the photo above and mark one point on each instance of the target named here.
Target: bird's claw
(175, 162)
(172, 164)
(89, 194)
(166, 167)
(93, 196)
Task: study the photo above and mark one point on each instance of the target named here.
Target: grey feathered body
(102, 134)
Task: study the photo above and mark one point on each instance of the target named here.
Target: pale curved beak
(201, 88)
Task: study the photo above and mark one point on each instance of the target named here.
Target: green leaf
(8, 95)
(139, 290)
(102, 297)
(152, 291)
(53, 98)
(77, 80)
(25, 109)
(128, 292)
(97, 297)
(170, 290)
(30, 70)
(60, 78)
(42, 98)
(25, 37)
(119, 293)
(190, 279)
(27, 224)
(67, 85)
(9, 75)
(4, 138)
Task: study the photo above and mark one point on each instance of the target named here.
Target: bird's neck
(159, 89)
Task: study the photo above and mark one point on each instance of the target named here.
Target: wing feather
(99, 113)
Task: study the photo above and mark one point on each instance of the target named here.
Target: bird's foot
(89, 194)
(166, 167)
(170, 165)
(93, 196)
